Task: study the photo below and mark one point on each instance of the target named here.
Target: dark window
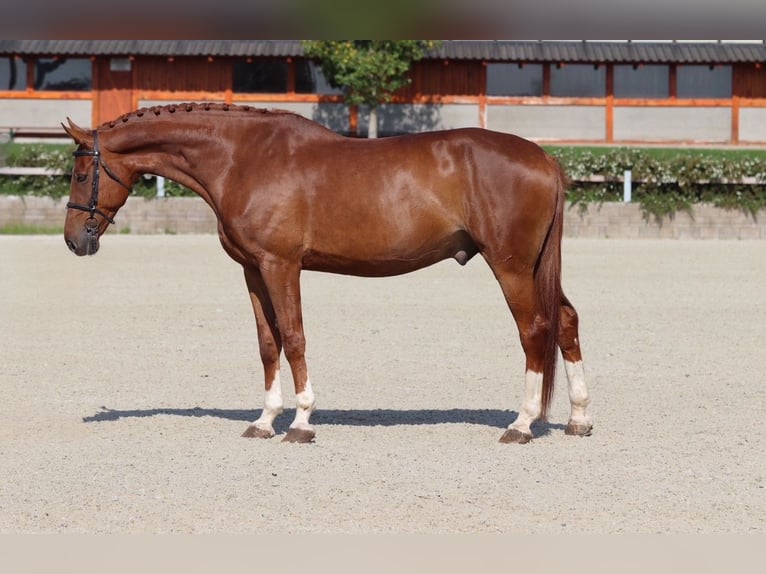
(578, 80)
(650, 81)
(703, 82)
(512, 80)
(309, 79)
(13, 74)
(260, 77)
(63, 74)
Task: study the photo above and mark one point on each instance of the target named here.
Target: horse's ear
(79, 135)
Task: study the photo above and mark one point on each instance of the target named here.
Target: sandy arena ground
(128, 377)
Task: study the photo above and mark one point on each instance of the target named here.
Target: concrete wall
(546, 122)
(138, 215)
(44, 114)
(549, 122)
(672, 124)
(632, 123)
(625, 220)
(752, 125)
(392, 118)
(333, 116)
(415, 118)
(192, 215)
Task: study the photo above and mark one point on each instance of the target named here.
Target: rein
(98, 162)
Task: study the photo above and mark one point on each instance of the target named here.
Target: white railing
(30, 171)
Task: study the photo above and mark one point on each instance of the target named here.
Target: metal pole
(626, 186)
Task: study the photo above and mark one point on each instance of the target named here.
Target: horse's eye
(81, 177)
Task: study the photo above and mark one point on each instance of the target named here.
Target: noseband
(98, 161)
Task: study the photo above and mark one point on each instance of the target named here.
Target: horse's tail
(548, 288)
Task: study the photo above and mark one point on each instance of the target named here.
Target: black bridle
(98, 162)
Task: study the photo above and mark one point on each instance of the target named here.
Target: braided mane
(155, 111)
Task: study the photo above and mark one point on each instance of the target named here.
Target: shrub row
(664, 183)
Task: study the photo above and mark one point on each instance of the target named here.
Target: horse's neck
(195, 154)
(151, 146)
(181, 152)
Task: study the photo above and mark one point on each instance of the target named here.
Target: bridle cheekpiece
(98, 162)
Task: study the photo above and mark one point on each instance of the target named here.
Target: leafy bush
(146, 186)
(38, 155)
(665, 183)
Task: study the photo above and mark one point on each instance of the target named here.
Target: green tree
(368, 71)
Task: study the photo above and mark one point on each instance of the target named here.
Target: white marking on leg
(578, 393)
(304, 406)
(272, 405)
(532, 406)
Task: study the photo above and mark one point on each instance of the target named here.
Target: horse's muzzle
(86, 243)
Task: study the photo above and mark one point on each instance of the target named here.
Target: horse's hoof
(574, 429)
(515, 436)
(254, 431)
(299, 435)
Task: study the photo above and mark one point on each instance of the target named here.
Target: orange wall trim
(32, 95)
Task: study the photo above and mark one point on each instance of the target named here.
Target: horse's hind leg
(270, 346)
(519, 291)
(569, 342)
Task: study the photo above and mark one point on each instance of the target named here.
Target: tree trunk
(372, 130)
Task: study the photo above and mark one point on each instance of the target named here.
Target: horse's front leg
(270, 346)
(282, 280)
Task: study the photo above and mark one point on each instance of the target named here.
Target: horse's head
(93, 199)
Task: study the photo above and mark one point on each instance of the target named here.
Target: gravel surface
(128, 377)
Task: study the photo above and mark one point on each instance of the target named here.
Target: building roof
(152, 47)
(704, 52)
(607, 52)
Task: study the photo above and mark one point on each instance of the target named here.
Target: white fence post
(160, 186)
(627, 186)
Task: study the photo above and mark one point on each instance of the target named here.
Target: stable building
(595, 92)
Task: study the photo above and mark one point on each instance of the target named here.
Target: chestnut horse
(291, 195)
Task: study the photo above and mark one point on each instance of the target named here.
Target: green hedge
(52, 157)
(665, 180)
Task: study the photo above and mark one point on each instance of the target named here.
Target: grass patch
(26, 229)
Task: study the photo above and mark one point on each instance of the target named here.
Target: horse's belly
(387, 260)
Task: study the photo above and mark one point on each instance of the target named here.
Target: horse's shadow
(495, 418)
